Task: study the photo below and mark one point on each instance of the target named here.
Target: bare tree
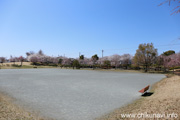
(12, 59)
(176, 9)
(29, 53)
(145, 55)
(40, 52)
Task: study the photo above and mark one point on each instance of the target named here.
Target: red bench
(144, 89)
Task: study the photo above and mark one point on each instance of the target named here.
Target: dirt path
(163, 104)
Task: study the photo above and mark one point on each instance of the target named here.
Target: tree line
(146, 58)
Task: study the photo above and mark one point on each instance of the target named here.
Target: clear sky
(67, 27)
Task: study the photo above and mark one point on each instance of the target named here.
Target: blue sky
(67, 27)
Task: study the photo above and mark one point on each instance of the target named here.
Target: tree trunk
(146, 68)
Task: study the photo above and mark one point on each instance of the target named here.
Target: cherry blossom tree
(126, 60)
(170, 61)
(88, 62)
(55, 60)
(34, 59)
(2, 60)
(12, 59)
(66, 62)
(29, 53)
(21, 59)
(115, 59)
(174, 60)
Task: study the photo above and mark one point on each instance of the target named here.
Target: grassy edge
(9, 110)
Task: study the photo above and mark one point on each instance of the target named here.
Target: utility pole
(102, 53)
(102, 57)
(79, 54)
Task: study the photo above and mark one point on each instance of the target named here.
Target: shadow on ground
(146, 94)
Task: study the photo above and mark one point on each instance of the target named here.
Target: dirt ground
(164, 103)
(9, 111)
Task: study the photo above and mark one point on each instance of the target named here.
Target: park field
(166, 99)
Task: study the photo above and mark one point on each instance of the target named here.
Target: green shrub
(16, 65)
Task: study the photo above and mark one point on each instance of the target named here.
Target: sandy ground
(17, 63)
(165, 102)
